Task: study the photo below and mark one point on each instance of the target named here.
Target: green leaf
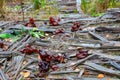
(17, 32)
(42, 34)
(6, 35)
(15, 38)
(23, 29)
(34, 29)
(35, 35)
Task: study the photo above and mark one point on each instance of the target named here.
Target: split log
(102, 69)
(117, 58)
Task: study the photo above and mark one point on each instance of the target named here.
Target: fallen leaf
(108, 79)
(6, 47)
(100, 76)
(25, 73)
(24, 62)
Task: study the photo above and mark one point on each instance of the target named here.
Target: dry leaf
(21, 73)
(8, 40)
(39, 57)
(24, 62)
(5, 47)
(25, 73)
(86, 73)
(108, 79)
(100, 76)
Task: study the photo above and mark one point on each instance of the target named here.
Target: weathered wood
(43, 44)
(2, 24)
(18, 43)
(105, 29)
(77, 78)
(63, 72)
(78, 20)
(30, 28)
(2, 75)
(98, 36)
(117, 58)
(110, 44)
(29, 63)
(19, 66)
(102, 69)
(29, 40)
(114, 64)
(81, 73)
(80, 61)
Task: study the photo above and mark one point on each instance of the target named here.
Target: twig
(80, 61)
(3, 76)
(63, 72)
(81, 73)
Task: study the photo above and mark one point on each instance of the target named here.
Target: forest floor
(64, 47)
